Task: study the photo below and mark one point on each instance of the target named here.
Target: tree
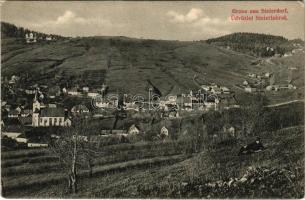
(252, 113)
(74, 151)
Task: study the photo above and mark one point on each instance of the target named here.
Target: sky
(167, 20)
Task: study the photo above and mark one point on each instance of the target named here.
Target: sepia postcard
(152, 99)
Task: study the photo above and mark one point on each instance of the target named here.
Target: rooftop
(53, 112)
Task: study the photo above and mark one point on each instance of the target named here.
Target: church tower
(36, 104)
(36, 109)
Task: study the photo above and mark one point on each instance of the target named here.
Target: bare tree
(252, 113)
(73, 151)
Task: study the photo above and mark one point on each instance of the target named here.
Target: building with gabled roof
(79, 109)
(133, 130)
(13, 114)
(48, 116)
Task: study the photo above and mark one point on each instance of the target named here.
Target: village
(27, 105)
(26, 108)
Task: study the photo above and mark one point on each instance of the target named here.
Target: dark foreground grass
(196, 177)
(35, 181)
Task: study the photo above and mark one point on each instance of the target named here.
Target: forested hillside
(255, 44)
(10, 30)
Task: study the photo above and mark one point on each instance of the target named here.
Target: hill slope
(169, 65)
(122, 60)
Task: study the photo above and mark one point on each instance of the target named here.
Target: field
(24, 168)
(158, 170)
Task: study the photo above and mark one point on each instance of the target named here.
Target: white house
(206, 87)
(11, 135)
(74, 92)
(92, 94)
(26, 113)
(245, 83)
(30, 38)
(13, 114)
(79, 109)
(85, 89)
(30, 91)
(133, 130)
(49, 38)
(164, 131)
(250, 89)
(21, 139)
(267, 74)
(225, 90)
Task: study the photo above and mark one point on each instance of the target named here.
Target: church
(45, 116)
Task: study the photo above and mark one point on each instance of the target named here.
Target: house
(92, 94)
(133, 130)
(26, 113)
(245, 83)
(11, 135)
(205, 87)
(211, 103)
(13, 114)
(21, 138)
(18, 109)
(49, 38)
(269, 88)
(14, 79)
(250, 89)
(100, 103)
(74, 92)
(51, 105)
(54, 92)
(131, 106)
(30, 91)
(252, 75)
(30, 38)
(7, 107)
(13, 129)
(225, 90)
(287, 54)
(79, 109)
(290, 86)
(67, 122)
(164, 131)
(3, 103)
(64, 90)
(229, 130)
(86, 89)
(216, 90)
